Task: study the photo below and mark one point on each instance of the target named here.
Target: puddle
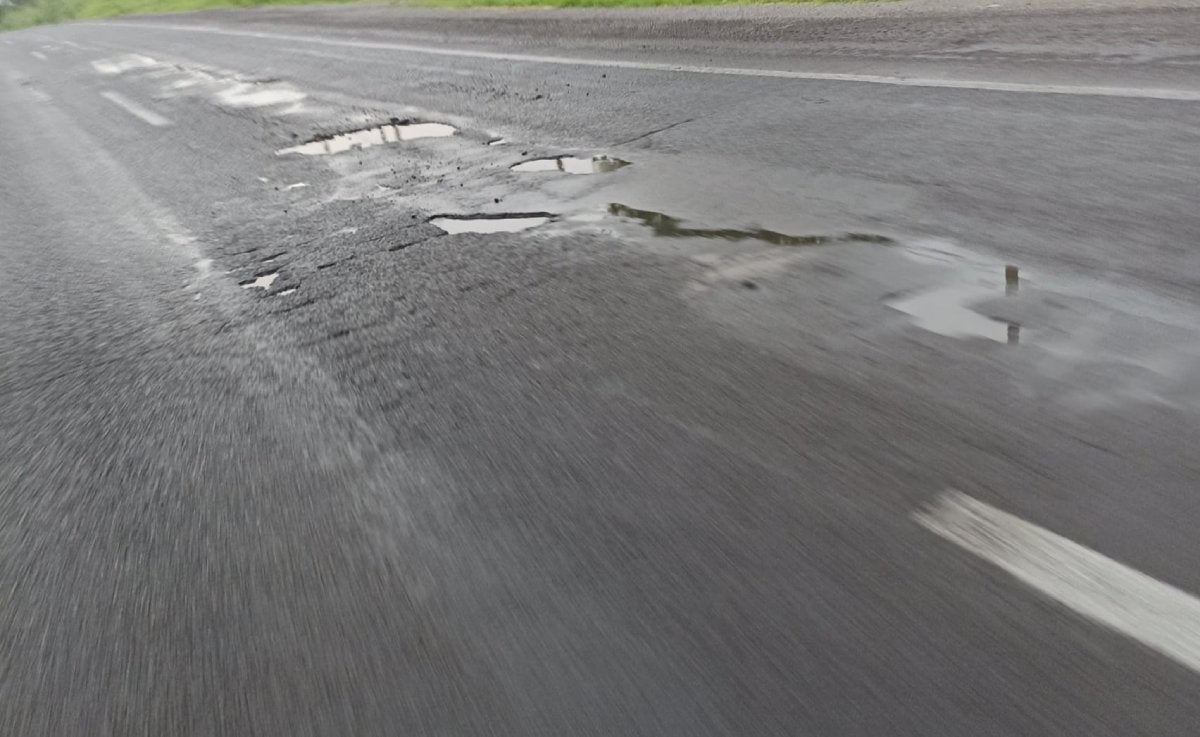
(263, 281)
(297, 185)
(948, 310)
(508, 223)
(572, 165)
(671, 227)
(376, 136)
(497, 142)
(285, 292)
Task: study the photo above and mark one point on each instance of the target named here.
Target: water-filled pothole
(394, 132)
(948, 310)
(672, 227)
(262, 281)
(572, 165)
(503, 223)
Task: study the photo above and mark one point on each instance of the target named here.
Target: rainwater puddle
(263, 281)
(947, 310)
(572, 165)
(377, 136)
(671, 227)
(512, 223)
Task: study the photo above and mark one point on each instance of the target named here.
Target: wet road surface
(710, 371)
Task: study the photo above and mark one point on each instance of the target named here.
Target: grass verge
(40, 12)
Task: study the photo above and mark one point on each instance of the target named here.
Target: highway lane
(281, 457)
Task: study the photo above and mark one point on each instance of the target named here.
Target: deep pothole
(502, 223)
(572, 165)
(379, 135)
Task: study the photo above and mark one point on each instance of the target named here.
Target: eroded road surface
(740, 371)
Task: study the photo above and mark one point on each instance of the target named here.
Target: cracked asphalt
(279, 456)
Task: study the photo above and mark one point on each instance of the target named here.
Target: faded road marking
(135, 109)
(963, 84)
(1159, 616)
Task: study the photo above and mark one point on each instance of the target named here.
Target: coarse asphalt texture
(279, 456)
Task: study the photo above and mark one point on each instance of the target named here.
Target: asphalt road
(863, 401)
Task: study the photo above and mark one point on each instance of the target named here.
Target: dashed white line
(1186, 95)
(134, 109)
(1156, 614)
(38, 55)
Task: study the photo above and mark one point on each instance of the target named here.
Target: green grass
(39, 12)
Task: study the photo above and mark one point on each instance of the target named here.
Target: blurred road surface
(862, 401)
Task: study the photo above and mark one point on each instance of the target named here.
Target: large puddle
(508, 223)
(377, 136)
(950, 310)
(947, 311)
(671, 227)
(572, 165)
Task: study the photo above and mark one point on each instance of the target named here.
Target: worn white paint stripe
(1113, 594)
(135, 109)
(1186, 95)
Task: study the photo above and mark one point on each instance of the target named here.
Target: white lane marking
(134, 109)
(1156, 614)
(960, 84)
(38, 55)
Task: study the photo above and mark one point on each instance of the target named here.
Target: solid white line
(38, 55)
(1115, 595)
(959, 84)
(135, 109)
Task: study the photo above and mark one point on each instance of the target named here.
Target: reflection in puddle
(491, 223)
(376, 136)
(947, 311)
(665, 225)
(572, 165)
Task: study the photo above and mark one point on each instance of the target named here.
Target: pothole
(504, 223)
(378, 135)
(572, 165)
(262, 281)
(947, 310)
(672, 227)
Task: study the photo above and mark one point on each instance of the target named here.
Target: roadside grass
(41, 12)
